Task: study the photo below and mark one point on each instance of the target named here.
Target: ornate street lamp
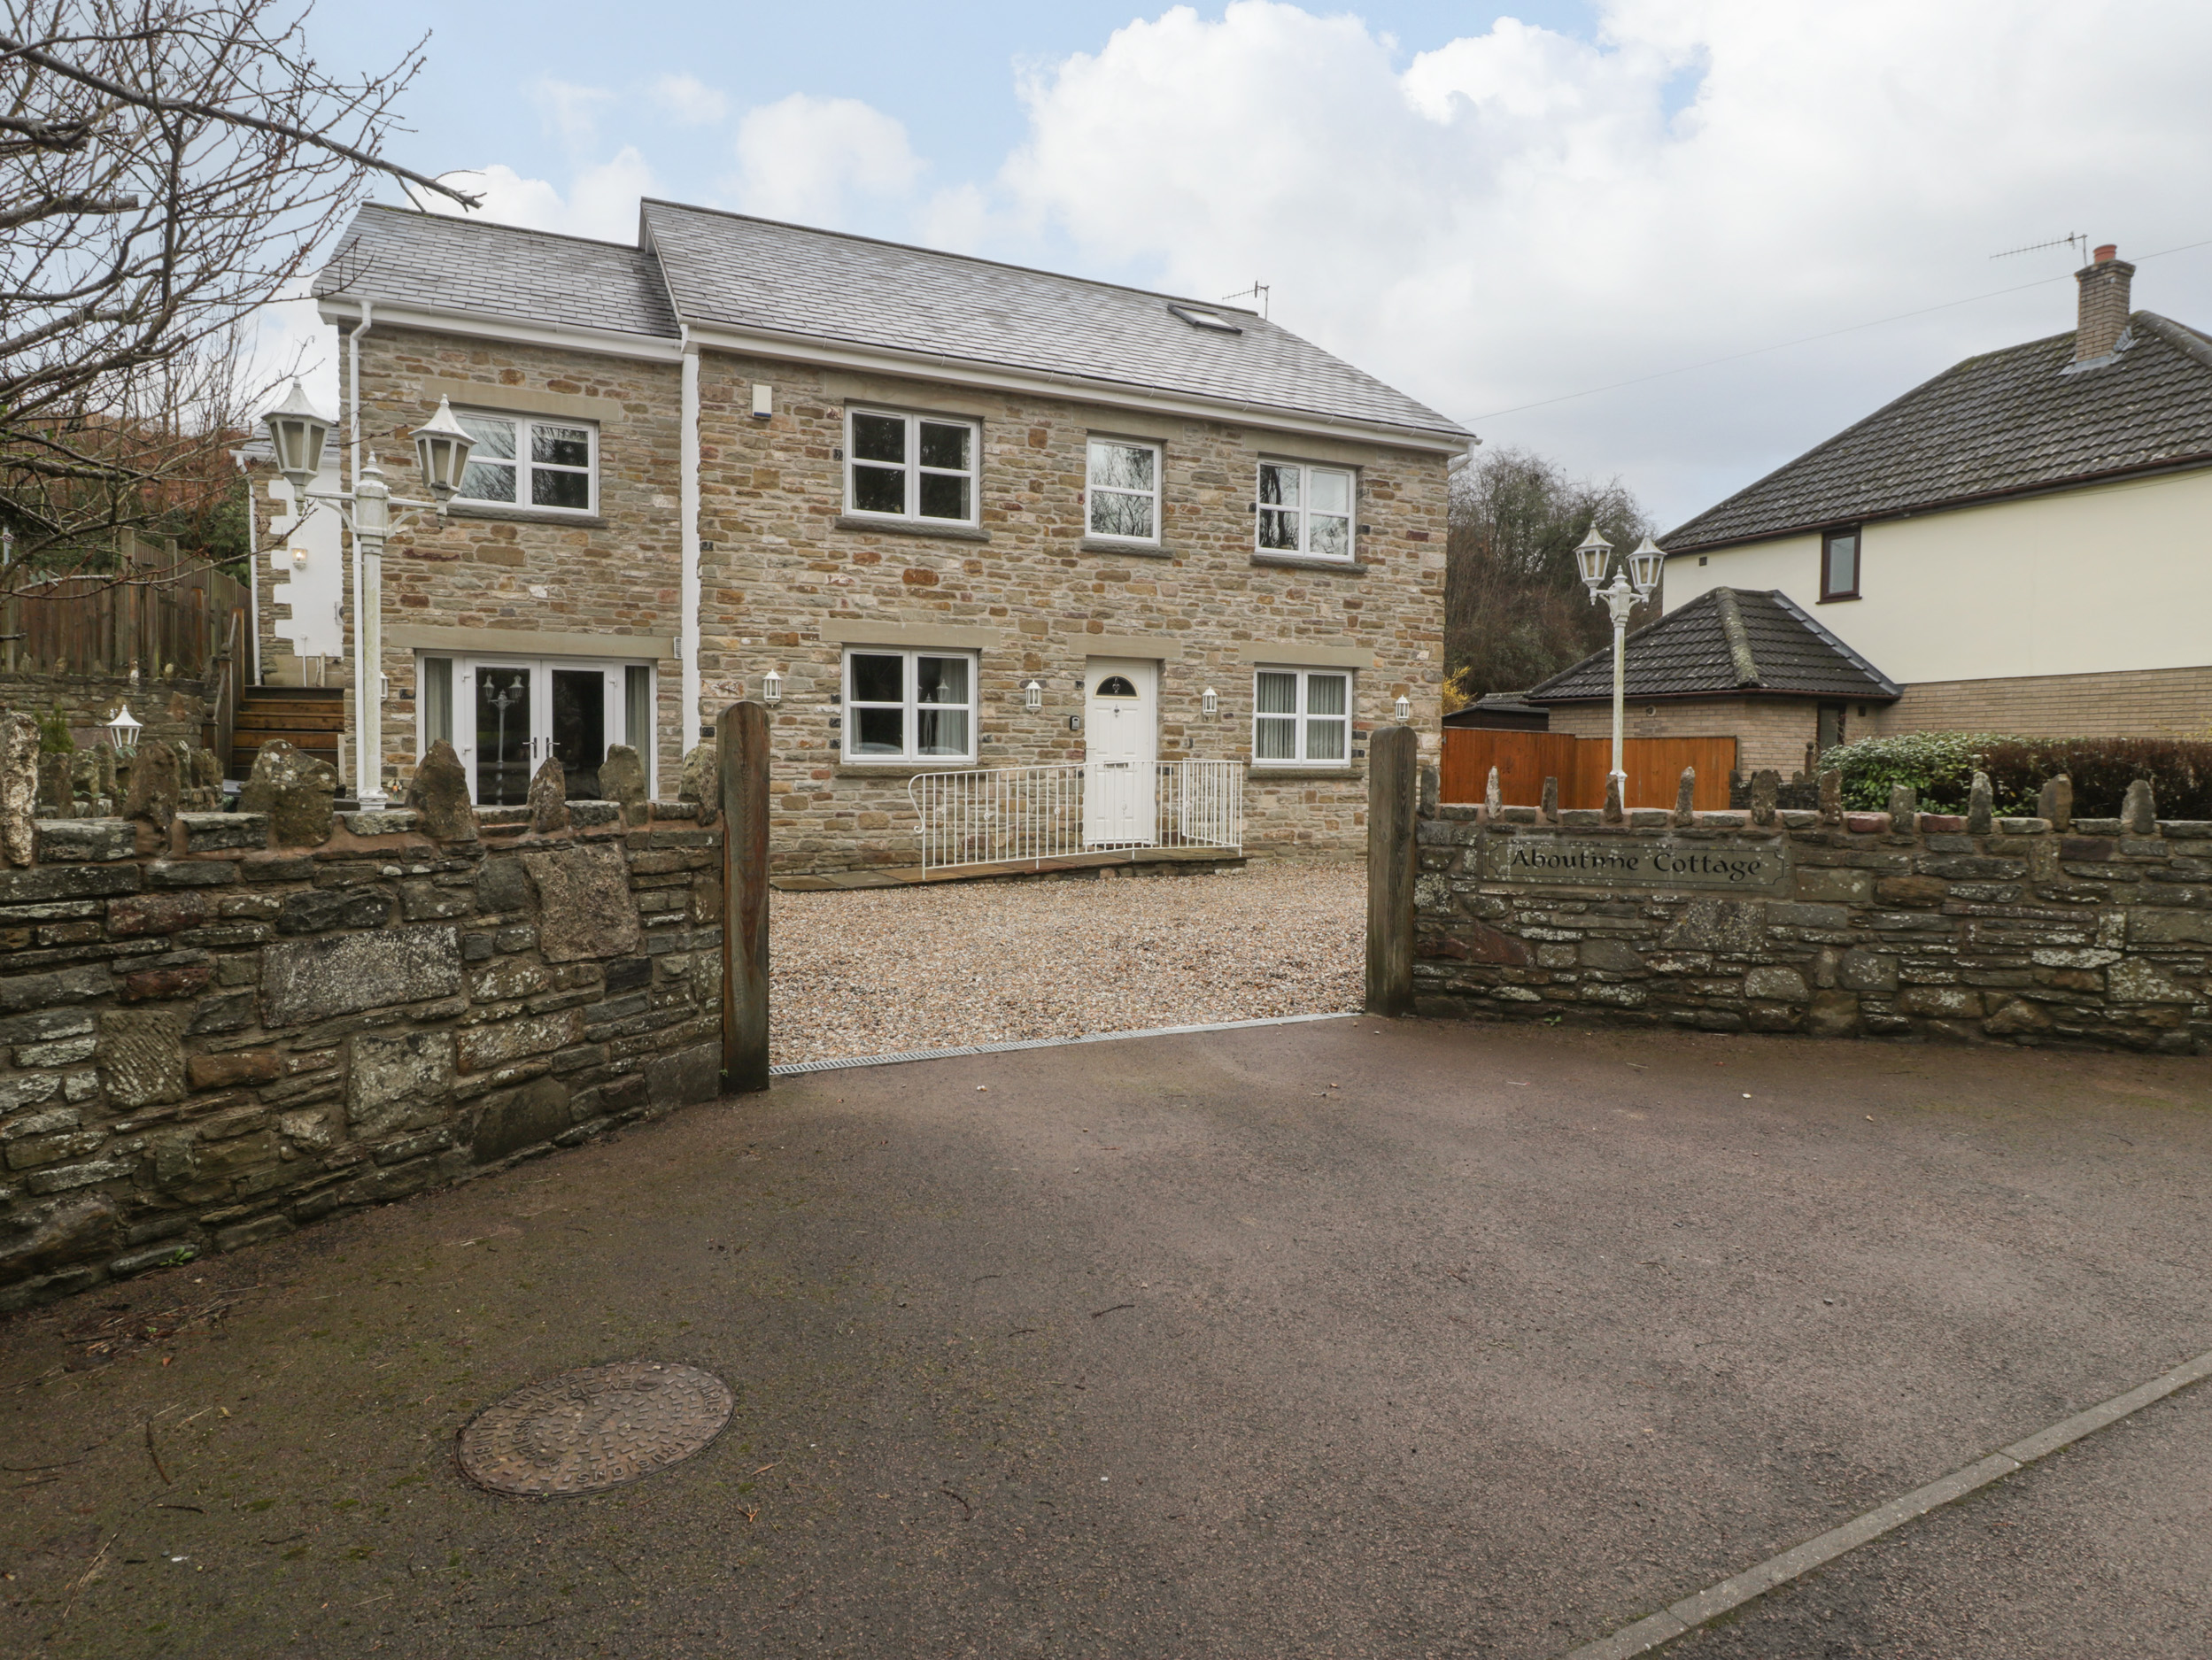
(1629, 587)
(441, 448)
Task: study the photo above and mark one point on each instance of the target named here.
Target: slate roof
(2007, 422)
(701, 267)
(1728, 642)
(414, 258)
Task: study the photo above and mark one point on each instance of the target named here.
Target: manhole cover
(595, 1427)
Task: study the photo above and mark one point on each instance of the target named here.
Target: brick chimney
(2104, 304)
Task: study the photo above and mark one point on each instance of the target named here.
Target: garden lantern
(1032, 697)
(1592, 556)
(771, 687)
(1405, 710)
(1209, 701)
(1645, 565)
(298, 434)
(122, 732)
(441, 450)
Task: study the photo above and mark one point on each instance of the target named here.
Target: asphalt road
(1349, 1338)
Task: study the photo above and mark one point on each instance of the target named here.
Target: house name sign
(1638, 861)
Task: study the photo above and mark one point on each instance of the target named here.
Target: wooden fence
(1524, 760)
(153, 612)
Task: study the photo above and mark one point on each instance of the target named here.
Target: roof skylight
(1198, 317)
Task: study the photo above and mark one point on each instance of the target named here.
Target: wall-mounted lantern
(1032, 696)
(771, 687)
(122, 732)
(1405, 710)
(1209, 701)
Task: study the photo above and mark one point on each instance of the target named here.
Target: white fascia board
(605, 342)
(964, 372)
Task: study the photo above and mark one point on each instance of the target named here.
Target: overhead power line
(1802, 340)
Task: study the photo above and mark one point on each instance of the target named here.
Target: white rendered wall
(2093, 580)
(314, 589)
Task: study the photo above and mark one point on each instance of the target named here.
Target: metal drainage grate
(596, 1427)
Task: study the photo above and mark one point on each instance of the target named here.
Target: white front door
(1121, 742)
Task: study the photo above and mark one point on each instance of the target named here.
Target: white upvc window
(1301, 717)
(918, 468)
(1122, 491)
(909, 705)
(526, 462)
(1307, 510)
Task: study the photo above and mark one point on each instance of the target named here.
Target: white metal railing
(1027, 814)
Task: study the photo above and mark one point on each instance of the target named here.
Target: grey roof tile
(1726, 642)
(2005, 421)
(711, 267)
(405, 257)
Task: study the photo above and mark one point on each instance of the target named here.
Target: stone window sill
(1299, 561)
(1141, 549)
(899, 768)
(912, 526)
(1258, 773)
(527, 516)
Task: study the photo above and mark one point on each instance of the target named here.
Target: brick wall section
(205, 1041)
(1768, 731)
(780, 570)
(2141, 703)
(2024, 936)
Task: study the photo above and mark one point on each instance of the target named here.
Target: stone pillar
(1766, 787)
(2138, 812)
(19, 787)
(1550, 809)
(1686, 798)
(1831, 797)
(2056, 802)
(740, 750)
(548, 799)
(1392, 862)
(1493, 799)
(1980, 806)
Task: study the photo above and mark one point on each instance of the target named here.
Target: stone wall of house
(788, 576)
(783, 583)
(2094, 934)
(210, 1037)
(514, 572)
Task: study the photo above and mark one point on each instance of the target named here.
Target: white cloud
(602, 201)
(688, 101)
(802, 158)
(573, 110)
(1521, 215)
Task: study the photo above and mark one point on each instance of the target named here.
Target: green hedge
(1940, 767)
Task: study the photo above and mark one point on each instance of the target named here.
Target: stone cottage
(951, 515)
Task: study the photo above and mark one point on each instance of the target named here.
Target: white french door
(512, 715)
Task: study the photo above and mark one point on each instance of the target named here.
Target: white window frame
(1301, 716)
(913, 467)
(909, 725)
(524, 465)
(1306, 471)
(461, 669)
(1093, 489)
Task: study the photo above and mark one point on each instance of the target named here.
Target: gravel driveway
(876, 971)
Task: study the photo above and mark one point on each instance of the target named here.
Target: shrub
(1940, 767)
(53, 733)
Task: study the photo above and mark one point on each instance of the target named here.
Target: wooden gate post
(741, 759)
(1393, 755)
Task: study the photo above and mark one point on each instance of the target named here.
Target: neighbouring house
(2021, 543)
(1499, 712)
(1754, 666)
(969, 516)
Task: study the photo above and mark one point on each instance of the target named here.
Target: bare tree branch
(167, 168)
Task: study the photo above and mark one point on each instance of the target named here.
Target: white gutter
(687, 504)
(254, 575)
(366, 782)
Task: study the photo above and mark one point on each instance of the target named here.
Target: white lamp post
(441, 448)
(1630, 586)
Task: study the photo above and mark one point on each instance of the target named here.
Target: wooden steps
(309, 718)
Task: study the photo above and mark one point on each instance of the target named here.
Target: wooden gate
(1524, 760)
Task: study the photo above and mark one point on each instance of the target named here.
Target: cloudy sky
(1752, 221)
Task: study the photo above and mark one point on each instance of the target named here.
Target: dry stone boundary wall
(207, 1039)
(1859, 924)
